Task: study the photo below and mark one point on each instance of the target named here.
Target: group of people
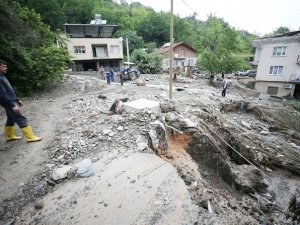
(12, 106)
(109, 75)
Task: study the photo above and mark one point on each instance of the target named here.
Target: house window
(115, 49)
(275, 70)
(272, 90)
(100, 51)
(279, 51)
(182, 52)
(79, 49)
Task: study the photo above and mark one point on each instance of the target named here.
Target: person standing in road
(225, 86)
(12, 106)
(108, 77)
(223, 75)
(112, 74)
(121, 78)
(102, 72)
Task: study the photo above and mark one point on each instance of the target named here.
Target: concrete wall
(89, 43)
(262, 86)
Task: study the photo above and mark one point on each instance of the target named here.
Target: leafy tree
(147, 63)
(134, 41)
(150, 46)
(50, 11)
(155, 27)
(281, 30)
(115, 14)
(183, 31)
(27, 45)
(217, 47)
(138, 12)
(79, 11)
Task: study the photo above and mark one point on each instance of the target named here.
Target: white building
(278, 60)
(92, 45)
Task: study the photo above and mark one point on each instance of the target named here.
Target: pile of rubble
(225, 152)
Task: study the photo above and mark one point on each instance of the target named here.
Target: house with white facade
(184, 55)
(92, 45)
(278, 64)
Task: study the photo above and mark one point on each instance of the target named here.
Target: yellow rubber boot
(30, 137)
(10, 134)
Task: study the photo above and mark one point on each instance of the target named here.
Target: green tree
(79, 11)
(155, 27)
(281, 30)
(134, 41)
(115, 14)
(183, 31)
(28, 46)
(147, 63)
(50, 11)
(218, 43)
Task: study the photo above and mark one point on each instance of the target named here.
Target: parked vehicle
(251, 73)
(130, 73)
(242, 73)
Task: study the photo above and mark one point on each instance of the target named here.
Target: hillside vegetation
(31, 33)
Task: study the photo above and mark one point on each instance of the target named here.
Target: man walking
(12, 106)
(225, 85)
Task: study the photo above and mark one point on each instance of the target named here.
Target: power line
(194, 12)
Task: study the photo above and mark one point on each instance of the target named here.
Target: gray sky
(256, 16)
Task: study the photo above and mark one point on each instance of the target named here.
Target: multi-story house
(278, 60)
(184, 55)
(92, 45)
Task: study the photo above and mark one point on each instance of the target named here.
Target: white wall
(266, 59)
(89, 42)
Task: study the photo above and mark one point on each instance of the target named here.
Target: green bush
(29, 48)
(147, 63)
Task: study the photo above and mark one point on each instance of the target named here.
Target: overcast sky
(256, 16)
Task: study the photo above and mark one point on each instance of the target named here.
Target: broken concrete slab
(141, 104)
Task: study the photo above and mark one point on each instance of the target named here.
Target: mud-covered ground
(238, 156)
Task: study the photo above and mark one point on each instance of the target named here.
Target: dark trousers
(108, 78)
(13, 118)
(224, 92)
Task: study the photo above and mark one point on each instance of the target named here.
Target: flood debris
(227, 173)
(294, 208)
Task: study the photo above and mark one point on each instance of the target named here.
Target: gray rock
(246, 125)
(84, 168)
(61, 172)
(263, 132)
(39, 204)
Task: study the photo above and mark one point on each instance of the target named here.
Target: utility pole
(127, 48)
(171, 52)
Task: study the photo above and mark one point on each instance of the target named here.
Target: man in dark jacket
(225, 86)
(12, 106)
